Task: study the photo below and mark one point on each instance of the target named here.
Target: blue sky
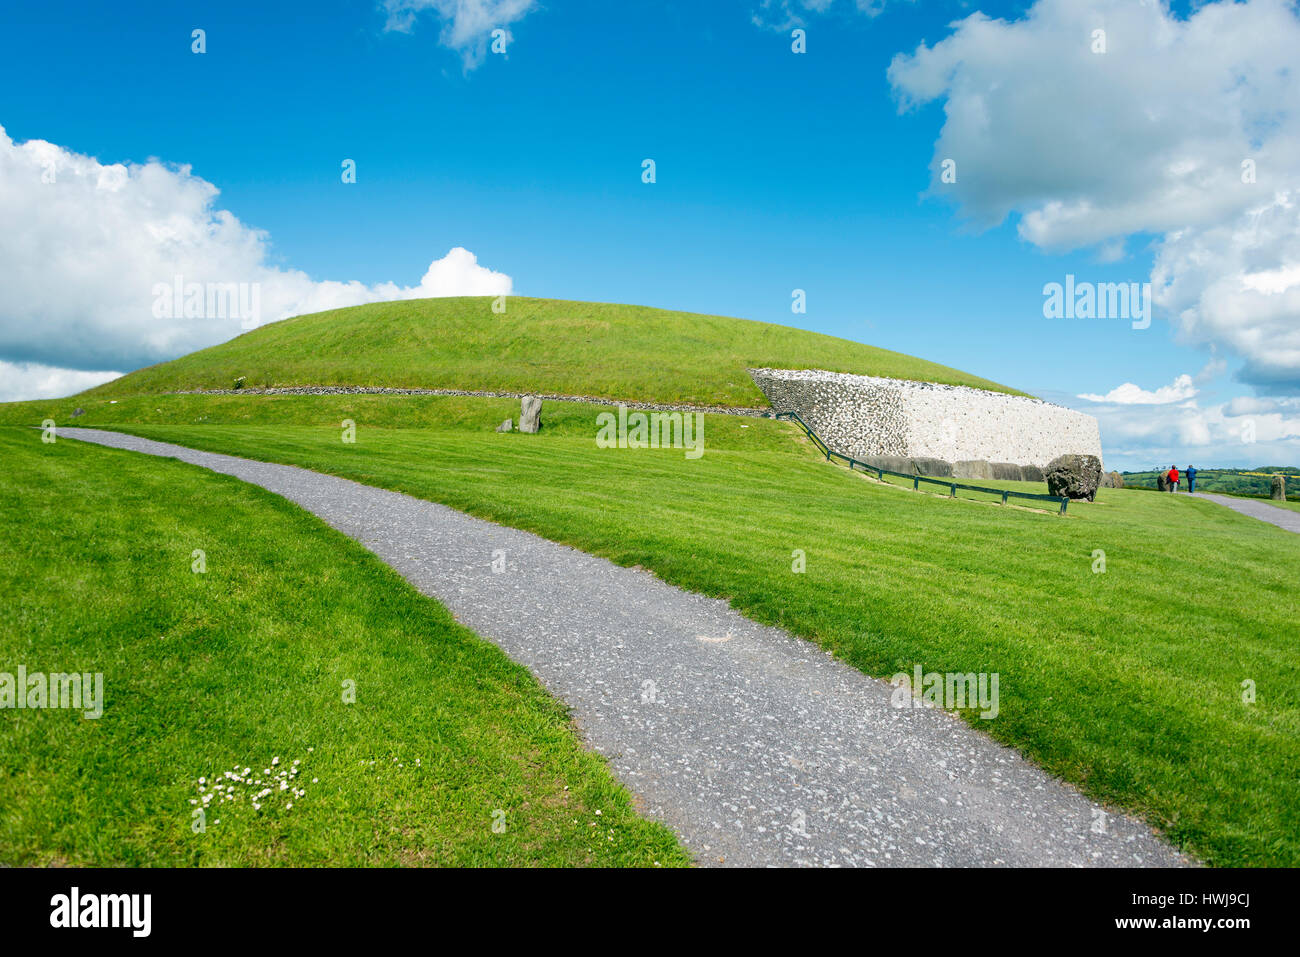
(775, 171)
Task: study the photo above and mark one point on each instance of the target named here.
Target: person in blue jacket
(1191, 479)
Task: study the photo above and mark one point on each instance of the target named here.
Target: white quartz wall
(867, 415)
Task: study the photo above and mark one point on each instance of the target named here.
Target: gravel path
(753, 745)
(1281, 517)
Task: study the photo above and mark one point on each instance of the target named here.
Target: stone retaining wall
(868, 417)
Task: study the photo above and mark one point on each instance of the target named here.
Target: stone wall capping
(978, 430)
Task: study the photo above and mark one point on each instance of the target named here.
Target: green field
(1123, 632)
(1247, 483)
(244, 663)
(1127, 683)
(537, 345)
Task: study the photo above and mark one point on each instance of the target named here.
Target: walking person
(1173, 478)
(1191, 479)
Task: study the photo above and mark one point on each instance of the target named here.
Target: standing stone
(1278, 490)
(1116, 480)
(1075, 476)
(1162, 481)
(530, 414)
(506, 426)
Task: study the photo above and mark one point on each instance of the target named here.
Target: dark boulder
(1074, 476)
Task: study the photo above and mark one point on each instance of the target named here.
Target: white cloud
(25, 380)
(1235, 284)
(1148, 137)
(784, 14)
(1140, 433)
(467, 25)
(1213, 368)
(1249, 405)
(83, 261)
(1180, 390)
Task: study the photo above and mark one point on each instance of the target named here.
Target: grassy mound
(537, 345)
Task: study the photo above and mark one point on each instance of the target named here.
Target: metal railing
(952, 486)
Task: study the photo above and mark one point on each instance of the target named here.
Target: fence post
(916, 483)
(1004, 497)
(953, 491)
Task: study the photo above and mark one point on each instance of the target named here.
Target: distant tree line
(1254, 482)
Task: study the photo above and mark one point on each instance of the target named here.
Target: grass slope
(537, 345)
(206, 672)
(1127, 682)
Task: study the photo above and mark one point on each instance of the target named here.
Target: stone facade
(869, 417)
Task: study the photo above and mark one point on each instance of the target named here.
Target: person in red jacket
(1173, 478)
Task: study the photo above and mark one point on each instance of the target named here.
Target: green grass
(1293, 506)
(929, 488)
(1127, 683)
(537, 345)
(246, 662)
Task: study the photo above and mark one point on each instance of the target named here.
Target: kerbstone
(972, 469)
(1076, 476)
